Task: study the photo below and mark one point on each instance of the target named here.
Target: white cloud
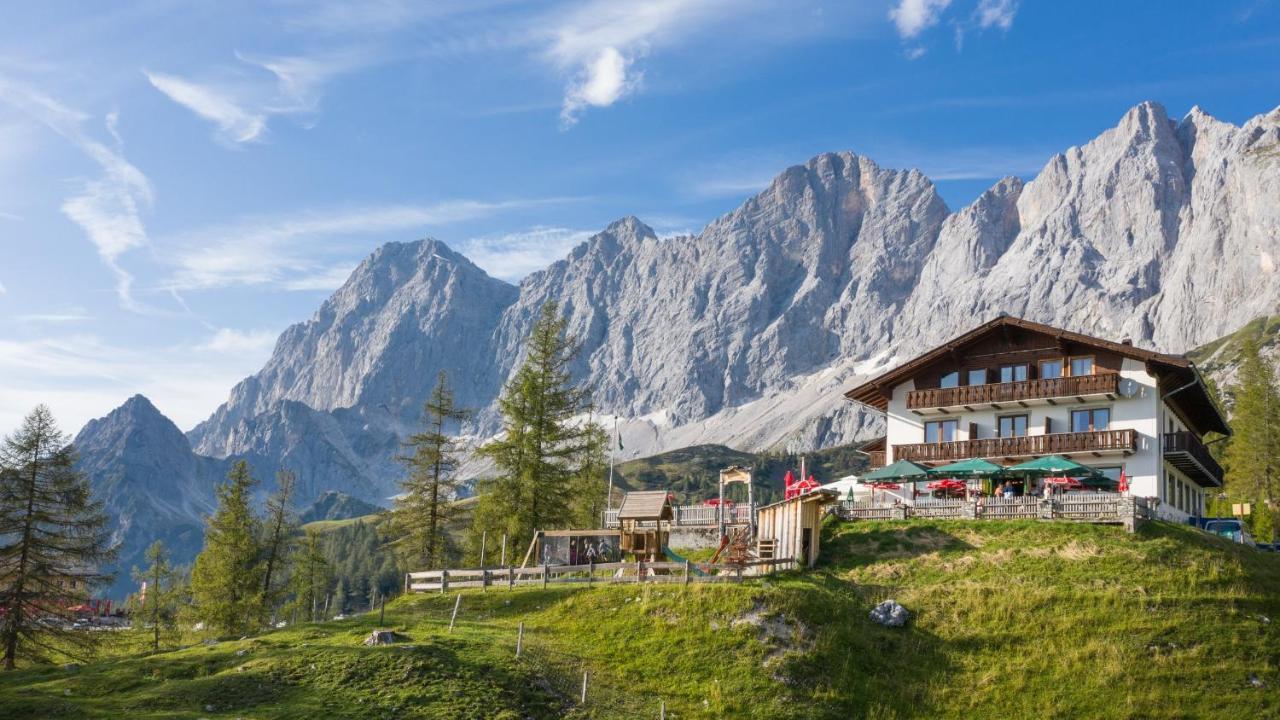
(512, 256)
(913, 17)
(81, 377)
(234, 122)
(304, 251)
(603, 81)
(996, 13)
(228, 340)
(109, 208)
(67, 316)
(241, 108)
(915, 53)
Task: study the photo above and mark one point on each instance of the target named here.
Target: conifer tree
(425, 505)
(590, 478)
(1253, 458)
(156, 607)
(280, 526)
(53, 540)
(541, 447)
(310, 580)
(226, 580)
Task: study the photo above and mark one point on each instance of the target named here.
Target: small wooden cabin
(641, 517)
(792, 528)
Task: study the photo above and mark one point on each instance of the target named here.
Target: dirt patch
(781, 634)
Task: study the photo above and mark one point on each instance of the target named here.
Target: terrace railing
(1096, 507)
(1185, 451)
(1025, 446)
(693, 516)
(1012, 392)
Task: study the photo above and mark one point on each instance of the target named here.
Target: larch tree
(542, 444)
(157, 605)
(279, 527)
(53, 542)
(310, 579)
(1253, 457)
(590, 477)
(425, 503)
(226, 580)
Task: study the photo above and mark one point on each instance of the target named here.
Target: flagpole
(608, 500)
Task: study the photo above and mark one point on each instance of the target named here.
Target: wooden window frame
(1026, 425)
(1093, 365)
(941, 434)
(1062, 367)
(1025, 366)
(1071, 418)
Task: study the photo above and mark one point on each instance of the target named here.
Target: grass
(1010, 620)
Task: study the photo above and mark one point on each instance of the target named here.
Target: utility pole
(608, 500)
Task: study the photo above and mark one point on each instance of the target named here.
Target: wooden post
(520, 639)
(662, 710)
(511, 578)
(591, 572)
(454, 617)
(327, 598)
(504, 550)
(639, 571)
(686, 572)
(406, 583)
(484, 541)
(444, 581)
(545, 569)
(584, 687)
(484, 581)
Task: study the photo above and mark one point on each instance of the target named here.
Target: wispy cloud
(307, 251)
(108, 208)
(69, 315)
(229, 340)
(912, 17)
(996, 13)
(261, 88)
(512, 256)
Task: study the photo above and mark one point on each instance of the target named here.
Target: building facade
(1011, 390)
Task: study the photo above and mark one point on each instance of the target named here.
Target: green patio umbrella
(900, 470)
(972, 468)
(1051, 466)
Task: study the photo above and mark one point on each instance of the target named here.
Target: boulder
(890, 614)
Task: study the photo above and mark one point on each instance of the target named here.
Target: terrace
(1048, 391)
(1096, 442)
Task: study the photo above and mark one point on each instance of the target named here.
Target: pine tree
(590, 478)
(280, 527)
(424, 506)
(310, 579)
(157, 606)
(53, 540)
(540, 448)
(226, 581)
(1253, 458)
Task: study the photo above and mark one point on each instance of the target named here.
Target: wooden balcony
(875, 459)
(1103, 441)
(1000, 395)
(1184, 451)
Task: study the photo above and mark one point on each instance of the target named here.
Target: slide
(675, 557)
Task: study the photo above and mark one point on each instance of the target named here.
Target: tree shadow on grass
(850, 544)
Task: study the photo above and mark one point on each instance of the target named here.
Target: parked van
(1229, 528)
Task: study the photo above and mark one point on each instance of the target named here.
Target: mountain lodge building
(1011, 390)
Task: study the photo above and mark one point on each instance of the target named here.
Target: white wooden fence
(693, 516)
(589, 574)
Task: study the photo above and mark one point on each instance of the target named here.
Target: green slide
(675, 557)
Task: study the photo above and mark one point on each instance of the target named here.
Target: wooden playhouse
(792, 528)
(640, 519)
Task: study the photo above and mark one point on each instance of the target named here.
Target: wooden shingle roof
(646, 505)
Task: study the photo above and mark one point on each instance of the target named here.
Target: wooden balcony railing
(875, 459)
(1184, 451)
(996, 393)
(1026, 446)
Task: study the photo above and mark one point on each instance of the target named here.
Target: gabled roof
(1198, 406)
(646, 505)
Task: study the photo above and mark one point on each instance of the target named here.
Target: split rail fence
(603, 573)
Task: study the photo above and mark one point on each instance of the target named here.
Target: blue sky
(181, 181)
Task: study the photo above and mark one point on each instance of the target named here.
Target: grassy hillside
(693, 472)
(1012, 620)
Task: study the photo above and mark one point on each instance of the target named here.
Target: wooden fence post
(591, 572)
(520, 639)
(686, 572)
(484, 540)
(545, 572)
(662, 710)
(584, 687)
(454, 617)
(504, 550)
(511, 578)
(406, 583)
(484, 581)
(639, 571)
(444, 581)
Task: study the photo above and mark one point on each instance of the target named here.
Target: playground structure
(636, 549)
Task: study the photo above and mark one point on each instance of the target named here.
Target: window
(1050, 369)
(938, 431)
(1111, 473)
(1090, 420)
(1013, 373)
(950, 380)
(1081, 366)
(1012, 426)
(978, 377)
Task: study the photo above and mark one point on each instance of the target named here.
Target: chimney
(1127, 341)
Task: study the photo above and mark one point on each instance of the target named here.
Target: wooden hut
(641, 517)
(792, 528)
